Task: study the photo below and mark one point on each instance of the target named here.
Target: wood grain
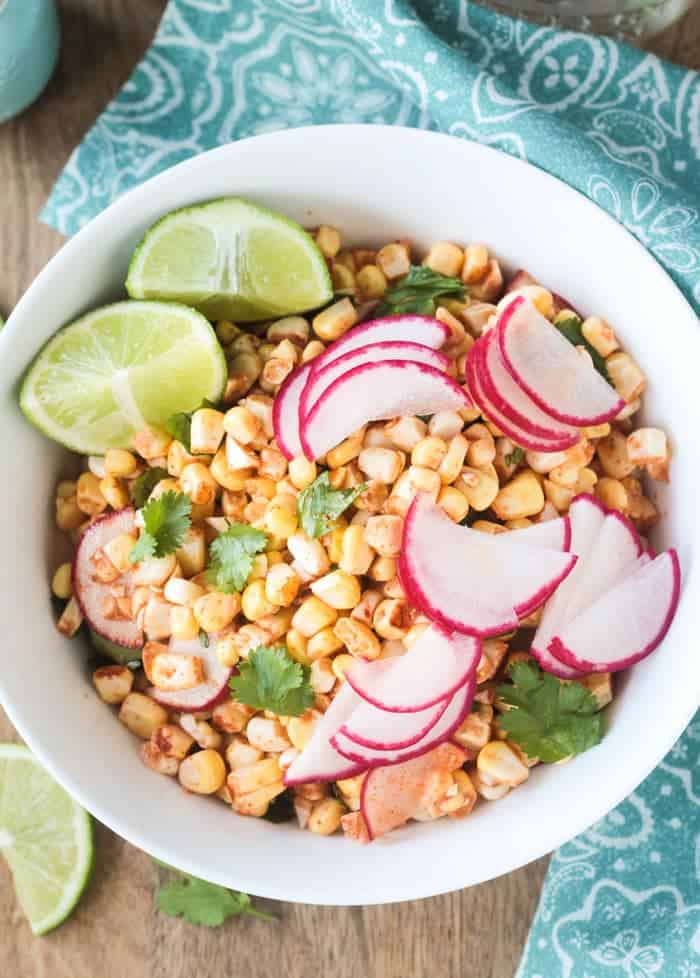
(115, 931)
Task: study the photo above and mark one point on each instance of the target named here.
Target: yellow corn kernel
(267, 734)
(297, 645)
(89, 495)
(71, 619)
(445, 258)
(202, 773)
(61, 583)
(142, 715)
(322, 644)
(542, 299)
(302, 472)
(475, 731)
(332, 322)
(490, 286)
(476, 263)
(322, 677)
(254, 603)
(338, 589)
(358, 639)
(343, 278)
(197, 482)
(273, 464)
(381, 464)
(65, 489)
(294, 328)
(192, 552)
(394, 259)
(114, 492)
(328, 241)
(226, 331)
(451, 465)
(614, 456)
(300, 729)
(171, 741)
(356, 555)
(339, 664)
(429, 452)
(171, 670)
(647, 446)
(559, 496)
(157, 761)
(600, 335)
(280, 520)
(240, 457)
(203, 733)
(325, 816)
(216, 610)
(256, 803)
(499, 761)
(69, 515)
(382, 569)
(346, 451)
(239, 753)
(565, 475)
(586, 481)
(156, 617)
(250, 777)
(163, 486)
(522, 496)
(233, 480)
(313, 615)
(207, 431)
(281, 585)
(372, 282)
(309, 554)
(179, 591)
(113, 683)
(183, 623)
(628, 380)
(454, 503)
(383, 534)
(406, 432)
(151, 442)
(117, 550)
(120, 463)
(612, 494)
(154, 571)
(365, 607)
(178, 457)
(391, 619)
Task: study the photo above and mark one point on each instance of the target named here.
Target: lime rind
(118, 368)
(231, 259)
(46, 838)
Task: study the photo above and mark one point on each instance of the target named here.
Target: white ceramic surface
(376, 184)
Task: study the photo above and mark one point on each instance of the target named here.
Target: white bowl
(375, 184)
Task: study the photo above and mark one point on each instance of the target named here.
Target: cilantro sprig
(319, 505)
(179, 425)
(419, 291)
(515, 457)
(166, 520)
(204, 904)
(142, 487)
(570, 328)
(548, 718)
(271, 680)
(231, 556)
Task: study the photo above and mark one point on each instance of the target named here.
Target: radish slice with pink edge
(586, 517)
(370, 726)
(553, 534)
(392, 794)
(411, 329)
(433, 669)
(475, 374)
(318, 381)
(551, 370)
(319, 761)
(522, 278)
(512, 401)
(629, 620)
(450, 720)
(90, 593)
(207, 694)
(469, 581)
(374, 392)
(285, 412)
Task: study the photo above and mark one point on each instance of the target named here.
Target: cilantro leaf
(319, 505)
(179, 425)
(142, 487)
(231, 556)
(202, 903)
(419, 291)
(271, 680)
(166, 520)
(548, 718)
(515, 457)
(571, 329)
(203, 638)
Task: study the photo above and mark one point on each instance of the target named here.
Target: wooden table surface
(115, 931)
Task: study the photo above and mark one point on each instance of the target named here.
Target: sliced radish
(392, 794)
(370, 726)
(285, 412)
(373, 392)
(433, 669)
(553, 534)
(470, 581)
(453, 716)
(213, 690)
(522, 278)
(409, 329)
(551, 370)
(512, 401)
(475, 374)
(320, 380)
(92, 595)
(626, 623)
(319, 761)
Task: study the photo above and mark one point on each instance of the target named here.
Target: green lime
(45, 837)
(110, 650)
(231, 260)
(120, 368)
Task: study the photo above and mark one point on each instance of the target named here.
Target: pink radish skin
(432, 670)
(548, 368)
(213, 690)
(391, 795)
(285, 412)
(634, 616)
(517, 434)
(373, 392)
(320, 380)
(377, 729)
(469, 581)
(510, 399)
(90, 594)
(319, 761)
(410, 329)
(450, 720)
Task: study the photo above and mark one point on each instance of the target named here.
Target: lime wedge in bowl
(120, 368)
(45, 837)
(231, 260)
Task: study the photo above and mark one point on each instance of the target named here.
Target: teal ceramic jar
(28, 51)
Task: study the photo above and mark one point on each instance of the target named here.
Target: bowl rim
(265, 886)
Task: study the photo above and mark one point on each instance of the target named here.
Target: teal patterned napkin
(623, 127)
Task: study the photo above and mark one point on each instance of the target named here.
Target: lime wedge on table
(119, 368)
(231, 260)
(45, 837)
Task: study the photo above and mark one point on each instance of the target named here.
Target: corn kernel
(172, 741)
(454, 503)
(489, 287)
(613, 455)
(197, 482)
(323, 644)
(89, 495)
(216, 610)
(151, 442)
(600, 335)
(113, 683)
(114, 492)
(328, 241)
(313, 615)
(142, 715)
(357, 638)
(612, 494)
(61, 584)
(522, 496)
(254, 603)
(499, 761)
(297, 645)
(69, 515)
(338, 589)
(267, 734)
(202, 773)
(445, 258)
(346, 451)
(309, 554)
(476, 263)
(628, 380)
(394, 260)
(280, 520)
(332, 322)
(183, 624)
(120, 463)
(371, 282)
(325, 816)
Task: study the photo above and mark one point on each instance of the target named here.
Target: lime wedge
(231, 260)
(120, 368)
(45, 837)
